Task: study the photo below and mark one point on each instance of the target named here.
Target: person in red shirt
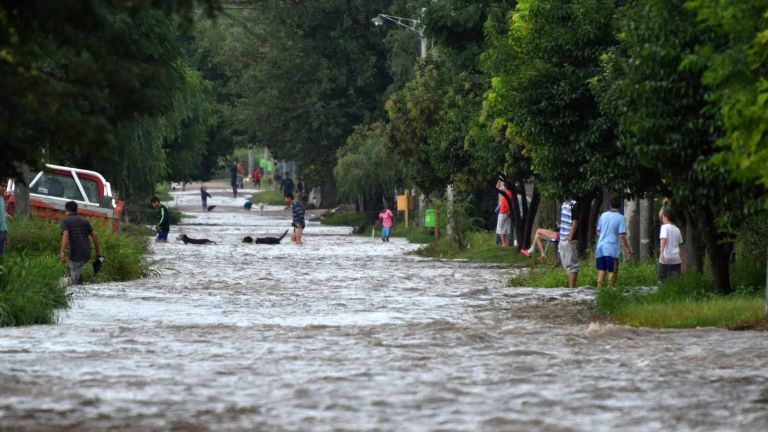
(256, 177)
(503, 222)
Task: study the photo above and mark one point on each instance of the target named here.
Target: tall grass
(29, 289)
(547, 274)
(351, 219)
(30, 269)
(682, 302)
(480, 246)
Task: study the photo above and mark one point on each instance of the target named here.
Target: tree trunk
(719, 250)
(328, 194)
(533, 210)
(597, 203)
(21, 206)
(583, 228)
(694, 249)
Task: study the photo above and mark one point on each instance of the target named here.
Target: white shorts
(503, 224)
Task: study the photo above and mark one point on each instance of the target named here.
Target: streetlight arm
(411, 24)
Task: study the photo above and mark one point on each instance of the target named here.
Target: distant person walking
(75, 231)
(240, 174)
(612, 234)
(204, 195)
(256, 178)
(301, 190)
(3, 221)
(276, 179)
(671, 255)
(569, 225)
(233, 178)
(286, 186)
(298, 223)
(164, 224)
(387, 219)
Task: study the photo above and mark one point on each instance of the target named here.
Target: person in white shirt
(671, 255)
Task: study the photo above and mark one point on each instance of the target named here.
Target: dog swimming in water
(264, 240)
(187, 240)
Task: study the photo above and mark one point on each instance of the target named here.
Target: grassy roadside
(30, 269)
(268, 197)
(411, 233)
(639, 301)
(481, 246)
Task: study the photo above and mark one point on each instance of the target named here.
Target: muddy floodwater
(348, 333)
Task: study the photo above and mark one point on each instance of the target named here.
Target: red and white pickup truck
(53, 187)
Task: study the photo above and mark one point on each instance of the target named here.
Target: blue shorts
(607, 263)
(162, 235)
(386, 232)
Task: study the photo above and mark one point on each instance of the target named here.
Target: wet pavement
(348, 333)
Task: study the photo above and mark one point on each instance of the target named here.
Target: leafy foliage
(541, 95)
(736, 59)
(365, 168)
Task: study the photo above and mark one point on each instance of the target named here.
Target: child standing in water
(204, 195)
(387, 218)
(298, 217)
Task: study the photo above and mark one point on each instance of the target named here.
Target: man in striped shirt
(569, 225)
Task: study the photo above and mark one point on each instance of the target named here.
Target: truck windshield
(57, 185)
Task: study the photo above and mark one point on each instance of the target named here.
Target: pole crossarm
(411, 24)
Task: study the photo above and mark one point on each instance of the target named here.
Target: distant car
(55, 185)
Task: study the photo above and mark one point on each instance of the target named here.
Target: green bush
(352, 219)
(268, 197)
(29, 289)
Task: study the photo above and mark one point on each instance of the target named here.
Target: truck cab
(51, 188)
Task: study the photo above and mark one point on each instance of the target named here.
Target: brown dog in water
(186, 239)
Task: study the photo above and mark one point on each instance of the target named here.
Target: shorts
(76, 272)
(162, 235)
(503, 224)
(569, 255)
(667, 270)
(386, 232)
(297, 225)
(608, 264)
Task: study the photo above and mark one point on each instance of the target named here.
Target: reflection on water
(348, 333)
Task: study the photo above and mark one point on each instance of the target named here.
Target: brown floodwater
(348, 333)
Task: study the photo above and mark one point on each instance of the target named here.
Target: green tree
(317, 72)
(366, 172)
(71, 71)
(736, 66)
(661, 105)
(541, 97)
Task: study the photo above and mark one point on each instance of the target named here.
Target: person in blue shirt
(612, 234)
(3, 221)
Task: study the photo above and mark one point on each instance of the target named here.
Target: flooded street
(348, 333)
